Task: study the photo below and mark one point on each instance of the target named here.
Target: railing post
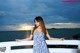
(79, 47)
(8, 49)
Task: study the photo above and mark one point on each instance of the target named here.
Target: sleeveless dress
(39, 45)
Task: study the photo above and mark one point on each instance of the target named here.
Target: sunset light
(25, 28)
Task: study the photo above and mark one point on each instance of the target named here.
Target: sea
(67, 33)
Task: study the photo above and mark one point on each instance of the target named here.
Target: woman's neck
(39, 27)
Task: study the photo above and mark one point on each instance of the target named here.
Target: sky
(17, 14)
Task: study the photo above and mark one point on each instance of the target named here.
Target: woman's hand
(56, 38)
(61, 38)
(18, 40)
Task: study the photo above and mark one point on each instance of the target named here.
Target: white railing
(7, 46)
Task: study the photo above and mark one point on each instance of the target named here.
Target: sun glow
(25, 27)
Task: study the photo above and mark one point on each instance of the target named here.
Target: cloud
(63, 25)
(21, 26)
(28, 26)
(56, 18)
(26, 10)
(2, 13)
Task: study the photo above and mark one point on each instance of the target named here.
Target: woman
(38, 32)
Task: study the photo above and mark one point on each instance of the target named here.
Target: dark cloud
(18, 11)
(2, 13)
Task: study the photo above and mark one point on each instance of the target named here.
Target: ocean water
(67, 33)
(57, 33)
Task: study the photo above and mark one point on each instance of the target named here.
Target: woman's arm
(51, 38)
(29, 38)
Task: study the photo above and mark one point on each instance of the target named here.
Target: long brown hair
(40, 20)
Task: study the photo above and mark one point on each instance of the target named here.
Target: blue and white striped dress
(40, 45)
